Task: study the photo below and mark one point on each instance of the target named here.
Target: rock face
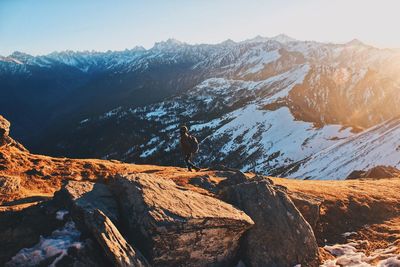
(281, 236)
(95, 208)
(308, 206)
(375, 172)
(4, 131)
(85, 197)
(114, 245)
(5, 139)
(177, 227)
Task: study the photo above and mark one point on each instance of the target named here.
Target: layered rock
(95, 208)
(114, 245)
(177, 227)
(4, 131)
(84, 197)
(308, 206)
(281, 236)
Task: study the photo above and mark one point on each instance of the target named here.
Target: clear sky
(43, 26)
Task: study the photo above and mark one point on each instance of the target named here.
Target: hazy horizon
(41, 27)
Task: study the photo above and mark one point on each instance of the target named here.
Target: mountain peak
(228, 42)
(168, 44)
(20, 56)
(355, 42)
(283, 38)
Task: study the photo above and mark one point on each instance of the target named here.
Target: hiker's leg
(191, 163)
(188, 163)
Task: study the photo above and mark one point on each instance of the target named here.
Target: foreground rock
(84, 197)
(177, 227)
(281, 236)
(114, 245)
(377, 172)
(95, 208)
(308, 206)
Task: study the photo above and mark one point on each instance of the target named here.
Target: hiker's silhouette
(189, 146)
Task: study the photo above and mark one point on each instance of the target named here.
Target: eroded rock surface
(117, 249)
(95, 208)
(178, 227)
(308, 206)
(280, 236)
(85, 197)
(4, 131)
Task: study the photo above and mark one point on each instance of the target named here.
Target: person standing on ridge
(189, 146)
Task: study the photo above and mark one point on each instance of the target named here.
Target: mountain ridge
(315, 94)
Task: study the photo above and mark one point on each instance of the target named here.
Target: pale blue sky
(43, 26)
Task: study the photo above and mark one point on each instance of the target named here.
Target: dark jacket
(185, 144)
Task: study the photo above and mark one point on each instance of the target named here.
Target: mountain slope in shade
(379, 145)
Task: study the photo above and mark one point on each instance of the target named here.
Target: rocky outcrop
(5, 139)
(375, 172)
(94, 207)
(4, 131)
(178, 227)
(308, 206)
(114, 245)
(281, 236)
(84, 197)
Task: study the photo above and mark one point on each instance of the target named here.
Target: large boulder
(281, 236)
(309, 207)
(82, 197)
(114, 245)
(94, 208)
(178, 227)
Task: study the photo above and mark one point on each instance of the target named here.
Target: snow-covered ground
(350, 255)
(274, 132)
(54, 247)
(379, 145)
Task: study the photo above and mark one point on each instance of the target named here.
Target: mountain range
(276, 106)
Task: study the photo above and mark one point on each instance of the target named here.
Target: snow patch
(349, 255)
(61, 214)
(55, 246)
(260, 60)
(378, 145)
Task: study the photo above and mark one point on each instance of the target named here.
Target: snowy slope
(267, 140)
(379, 145)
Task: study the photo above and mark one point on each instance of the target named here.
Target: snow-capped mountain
(265, 104)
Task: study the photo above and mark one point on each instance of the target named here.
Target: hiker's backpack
(194, 144)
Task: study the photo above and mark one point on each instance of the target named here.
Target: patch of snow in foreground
(55, 246)
(60, 214)
(348, 255)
